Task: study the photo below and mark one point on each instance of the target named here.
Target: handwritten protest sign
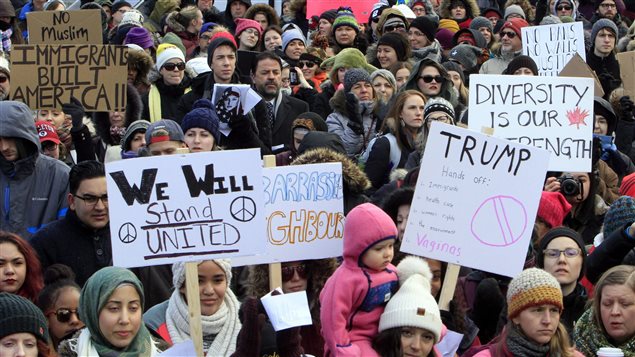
(475, 201)
(47, 76)
(185, 207)
(552, 46)
(65, 27)
(552, 113)
(304, 210)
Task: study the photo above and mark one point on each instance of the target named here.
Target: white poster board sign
(552, 46)
(185, 207)
(475, 201)
(304, 212)
(553, 113)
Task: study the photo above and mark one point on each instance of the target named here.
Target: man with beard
(282, 110)
(607, 9)
(511, 47)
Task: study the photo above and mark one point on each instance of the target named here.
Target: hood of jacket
(134, 109)
(479, 39)
(143, 63)
(319, 270)
(366, 225)
(173, 24)
(447, 88)
(574, 10)
(472, 10)
(355, 180)
(163, 7)
(17, 122)
(269, 12)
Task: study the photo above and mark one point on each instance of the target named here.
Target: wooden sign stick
(194, 306)
(275, 269)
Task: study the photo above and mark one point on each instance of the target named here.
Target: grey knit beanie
(135, 127)
(601, 24)
(481, 21)
(514, 9)
(178, 271)
(385, 74)
(353, 76)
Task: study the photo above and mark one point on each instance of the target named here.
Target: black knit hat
(118, 5)
(454, 66)
(18, 315)
(520, 62)
(398, 42)
(329, 15)
(425, 25)
(560, 232)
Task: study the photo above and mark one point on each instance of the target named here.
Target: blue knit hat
(621, 212)
(202, 116)
(291, 35)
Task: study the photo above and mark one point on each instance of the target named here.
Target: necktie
(270, 116)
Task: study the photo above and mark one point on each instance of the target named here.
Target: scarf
(519, 345)
(64, 133)
(220, 331)
(116, 133)
(93, 298)
(589, 337)
(6, 40)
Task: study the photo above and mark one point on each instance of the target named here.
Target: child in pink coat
(355, 295)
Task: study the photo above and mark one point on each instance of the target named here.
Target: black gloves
(76, 111)
(355, 121)
(626, 107)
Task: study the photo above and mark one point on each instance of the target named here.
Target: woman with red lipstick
(562, 254)
(111, 305)
(610, 322)
(219, 309)
(20, 269)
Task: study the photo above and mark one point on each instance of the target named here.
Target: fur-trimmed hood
(134, 108)
(269, 12)
(355, 180)
(471, 8)
(143, 62)
(319, 271)
(173, 24)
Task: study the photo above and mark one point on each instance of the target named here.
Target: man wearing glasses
(511, 47)
(607, 9)
(81, 240)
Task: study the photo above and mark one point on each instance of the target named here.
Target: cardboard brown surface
(578, 68)
(45, 77)
(65, 27)
(627, 71)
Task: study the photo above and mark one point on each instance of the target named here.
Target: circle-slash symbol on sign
(243, 209)
(127, 233)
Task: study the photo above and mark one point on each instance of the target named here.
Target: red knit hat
(515, 24)
(243, 24)
(627, 188)
(553, 208)
(224, 34)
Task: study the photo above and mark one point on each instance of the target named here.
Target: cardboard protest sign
(552, 113)
(65, 27)
(577, 67)
(361, 8)
(475, 201)
(305, 214)
(47, 76)
(627, 71)
(552, 46)
(185, 207)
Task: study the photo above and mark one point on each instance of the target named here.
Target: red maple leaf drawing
(577, 116)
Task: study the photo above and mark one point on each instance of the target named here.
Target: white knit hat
(178, 271)
(167, 51)
(413, 305)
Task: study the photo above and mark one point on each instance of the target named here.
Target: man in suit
(282, 110)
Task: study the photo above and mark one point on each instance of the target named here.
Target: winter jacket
(588, 227)
(354, 298)
(154, 319)
(574, 306)
(337, 123)
(91, 249)
(499, 63)
(321, 103)
(379, 164)
(169, 97)
(492, 351)
(608, 254)
(34, 188)
(607, 70)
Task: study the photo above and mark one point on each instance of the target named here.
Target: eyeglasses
(289, 271)
(442, 118)
(63, 315)
(3, 79)
(171, 66)
(397, 27)
(308, 64)
(92, 200)
(429, 79)
(608, 6)
(555, 253)
(563, 7)
(508, 34)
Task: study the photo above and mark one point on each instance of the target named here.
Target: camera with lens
(569, 185)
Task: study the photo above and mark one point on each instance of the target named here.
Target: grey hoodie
(34, 187)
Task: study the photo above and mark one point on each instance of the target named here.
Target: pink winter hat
(243, 24)
(553, 208)
(365, 226)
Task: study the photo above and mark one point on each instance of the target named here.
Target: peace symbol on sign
(243, 209)
(127, 233)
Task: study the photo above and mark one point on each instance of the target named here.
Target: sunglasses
(3, 79)
(171, 66)
(429, 79)
(289, 271)
(63, 315)
(563, 7)
(392, 28)
(306, 64)
(555, 253)
(508, 34)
